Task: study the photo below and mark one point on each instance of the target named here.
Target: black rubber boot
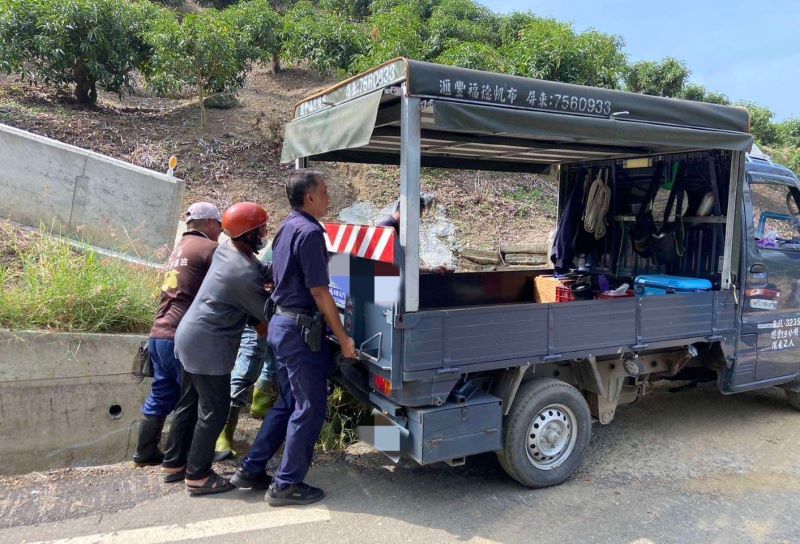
(147, 451)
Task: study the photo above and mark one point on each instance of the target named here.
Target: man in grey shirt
(206, 342)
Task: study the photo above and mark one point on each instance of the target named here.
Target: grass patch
(533, 196)
(48, 284)
(345, 414)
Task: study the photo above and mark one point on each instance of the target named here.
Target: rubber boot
(224, 447)
(262, 401)
(147, 451)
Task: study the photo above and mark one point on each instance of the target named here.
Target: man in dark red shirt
(185, 270)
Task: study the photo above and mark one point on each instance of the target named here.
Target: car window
(776, 215)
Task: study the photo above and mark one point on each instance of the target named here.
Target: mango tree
(84, 43)
(201, 53)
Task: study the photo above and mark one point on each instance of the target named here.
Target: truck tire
(794, 398)
(546, 433)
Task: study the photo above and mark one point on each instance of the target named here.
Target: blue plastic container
(663, 285)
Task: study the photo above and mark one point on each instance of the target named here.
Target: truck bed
(494, 336)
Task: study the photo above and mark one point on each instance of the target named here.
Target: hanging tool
(594, 217)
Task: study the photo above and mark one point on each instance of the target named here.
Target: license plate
(762, 304)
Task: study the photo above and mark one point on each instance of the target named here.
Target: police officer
(300, 275)
(186, 268)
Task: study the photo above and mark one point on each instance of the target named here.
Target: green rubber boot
(262, 402)
(224, 446)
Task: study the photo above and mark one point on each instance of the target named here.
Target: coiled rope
(594, 217)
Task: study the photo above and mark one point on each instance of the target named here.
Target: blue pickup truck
(667, 196)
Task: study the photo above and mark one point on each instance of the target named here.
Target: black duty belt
(291, 312)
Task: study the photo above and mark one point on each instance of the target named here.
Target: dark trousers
(166, 388)
(299, 412)
(199, 418)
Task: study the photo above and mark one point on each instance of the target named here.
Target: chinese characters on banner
(510, 95)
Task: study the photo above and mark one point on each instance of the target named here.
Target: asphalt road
(689, 466)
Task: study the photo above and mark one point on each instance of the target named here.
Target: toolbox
(664, 285)
(455, 429)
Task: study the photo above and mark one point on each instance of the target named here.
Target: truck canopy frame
(419, 114)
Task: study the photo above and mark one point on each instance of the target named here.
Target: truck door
(771, 305)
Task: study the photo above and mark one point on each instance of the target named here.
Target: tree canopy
(101, 43)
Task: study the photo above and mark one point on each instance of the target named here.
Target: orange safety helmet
(243, 217)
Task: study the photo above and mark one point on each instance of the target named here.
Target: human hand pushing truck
(327, 306)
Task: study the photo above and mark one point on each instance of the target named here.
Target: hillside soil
(236, 156)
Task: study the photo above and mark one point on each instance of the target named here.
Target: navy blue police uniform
(299, 264)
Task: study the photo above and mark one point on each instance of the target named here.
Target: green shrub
(326, 41)
(665, 78)
(170, 3)
(789, 132)
(349, 9)
(478, 56)
(510, 26)
(423, 8)
(787, 156)
(260, 31)
(203, 52)
(698, 93)
(454, 22)
(84, 43)
(397, 32)
(761, 125)
(47, 284)
(218, 4)
(345, 414)
(549, 49)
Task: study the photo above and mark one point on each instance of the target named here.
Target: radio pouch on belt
(142, 364)
(312, 330)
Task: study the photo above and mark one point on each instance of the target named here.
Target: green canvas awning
(473, 119)
(348, 125)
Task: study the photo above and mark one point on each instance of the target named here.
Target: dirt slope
(236, 156)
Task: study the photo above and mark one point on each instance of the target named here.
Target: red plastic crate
(564, 294)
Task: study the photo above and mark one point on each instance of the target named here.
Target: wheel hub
(551, 436)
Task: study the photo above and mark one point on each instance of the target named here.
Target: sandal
(173, 477)
(214, 484)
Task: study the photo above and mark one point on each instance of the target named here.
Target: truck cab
(473, 362)
(769, 327)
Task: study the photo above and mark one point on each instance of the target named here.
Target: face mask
(255, 241)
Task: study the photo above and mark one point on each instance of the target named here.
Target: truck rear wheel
(794, 398)
(546, 433)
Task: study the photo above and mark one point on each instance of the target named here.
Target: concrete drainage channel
(67, 399)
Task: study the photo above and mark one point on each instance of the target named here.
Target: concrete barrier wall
(67, 399)
(79, 193)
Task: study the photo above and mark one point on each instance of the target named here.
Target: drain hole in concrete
(115, 411)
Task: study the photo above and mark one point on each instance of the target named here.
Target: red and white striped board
(373, 243)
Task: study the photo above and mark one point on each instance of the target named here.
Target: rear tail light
(382, 385)
(762, 293)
